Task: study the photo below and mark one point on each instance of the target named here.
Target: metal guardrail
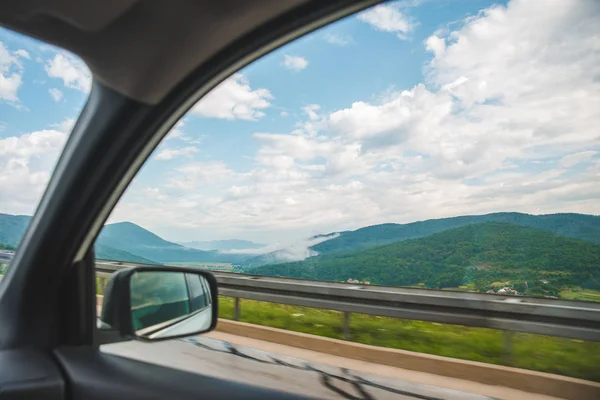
(554, 317)
(5, 256)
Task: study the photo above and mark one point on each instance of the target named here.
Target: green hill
(123, 241)
(134, 239)
(110, 253)
(12, 228)
(477, 253)
(577, 226)
(104, 253)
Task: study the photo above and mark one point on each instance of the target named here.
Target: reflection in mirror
(167, 304)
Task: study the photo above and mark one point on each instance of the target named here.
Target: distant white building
(506, 290)
(350, 280)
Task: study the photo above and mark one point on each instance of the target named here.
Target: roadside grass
(580, 294)
(567, 357)
(99, 287)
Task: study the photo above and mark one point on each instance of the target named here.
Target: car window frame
(111, 140)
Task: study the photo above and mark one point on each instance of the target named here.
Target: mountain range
(476, 254)
(127, 241)
(577, 226)
(123, 241)
(12, 229)
(136, 240)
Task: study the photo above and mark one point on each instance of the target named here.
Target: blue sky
(408, 111)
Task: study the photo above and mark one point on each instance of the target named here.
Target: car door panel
(30, 373)
(97, 375)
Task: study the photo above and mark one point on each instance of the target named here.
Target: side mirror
(158, 303)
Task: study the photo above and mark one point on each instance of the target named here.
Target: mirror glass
(166, 304)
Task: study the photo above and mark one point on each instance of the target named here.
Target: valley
(554, 255)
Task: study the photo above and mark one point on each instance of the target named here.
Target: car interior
(151, 61)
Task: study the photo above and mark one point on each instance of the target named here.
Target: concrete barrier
(521, 379)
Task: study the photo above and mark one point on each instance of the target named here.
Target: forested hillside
(577, 226)
(12, 228)
(476, 254)
(110, 253)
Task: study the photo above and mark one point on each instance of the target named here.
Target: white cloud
(234, 99)
(9, 85)
(56, 94)
(286, 252)
(277, 161)
(154, 193)
(490, 100)
(177, 132)
(169, 154)
(294, 63)
(577, 158)
(505, 120)
(11, 73)
(72, 71)
(31, 144)
(65, 126)
(196, 174)
(311, 111)
(388, 18)
(436, 45)
(392, 120)
(6, 59)
(297, 146)
(23, 53)
(174, 134)
(283, 114)
(338, 40)
(27, 161)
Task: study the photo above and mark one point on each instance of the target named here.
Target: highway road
(312, 374)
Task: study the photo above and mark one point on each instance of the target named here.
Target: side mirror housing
(158, 303)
